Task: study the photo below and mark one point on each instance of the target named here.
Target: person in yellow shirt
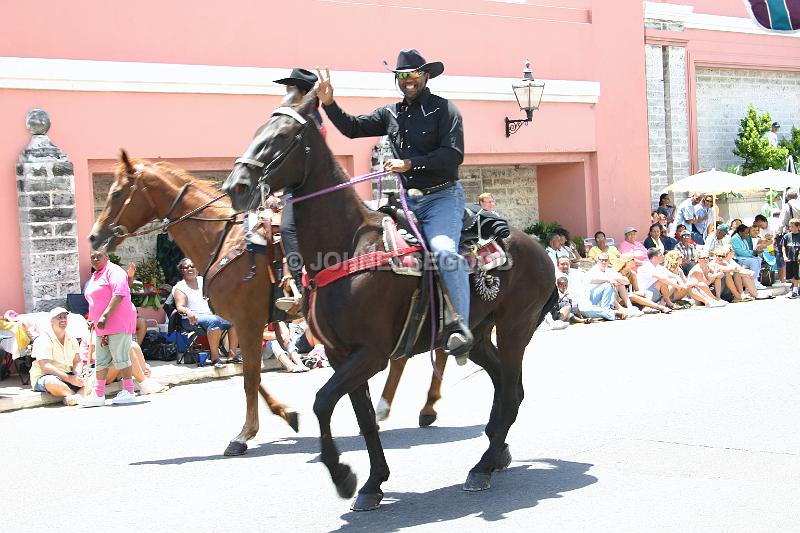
(601, 246)
(56, 367)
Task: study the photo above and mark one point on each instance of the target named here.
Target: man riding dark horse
(427, 138)
(299, 82)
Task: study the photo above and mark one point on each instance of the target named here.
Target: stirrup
(459, 340)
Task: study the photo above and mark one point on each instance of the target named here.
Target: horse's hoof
(426, 420)
(367, 502)
(477, 481)
(236, 448)
(504, 460)
(347, 486)
(382, 410)
(293, 419)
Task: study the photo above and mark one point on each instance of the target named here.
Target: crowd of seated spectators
(688, 258)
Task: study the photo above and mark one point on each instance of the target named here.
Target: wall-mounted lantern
(529, 95)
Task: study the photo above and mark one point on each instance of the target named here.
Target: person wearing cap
(687, 250)
(57, 363)
(772, 134)
(718, 238)
(632, 246)
(426, 135)
(299, 83)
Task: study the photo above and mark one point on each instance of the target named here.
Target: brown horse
(209, 232)
(427, 415)
(360, 317)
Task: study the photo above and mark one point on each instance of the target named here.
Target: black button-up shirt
(428, 132)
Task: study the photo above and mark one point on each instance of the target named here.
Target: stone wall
(722, 99)
(514, 188)
(667, 116)
(47, 221)
(136, 249)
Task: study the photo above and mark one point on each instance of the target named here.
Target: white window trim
(119, 76)
(683, 14)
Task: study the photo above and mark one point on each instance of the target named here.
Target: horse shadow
(392, 439)
(519, 487)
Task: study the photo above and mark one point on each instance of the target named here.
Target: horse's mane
(177, 175)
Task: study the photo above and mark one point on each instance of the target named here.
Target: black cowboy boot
(458, 340)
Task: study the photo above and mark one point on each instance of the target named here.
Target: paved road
(669, 423)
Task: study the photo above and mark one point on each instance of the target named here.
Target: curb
(171, 375)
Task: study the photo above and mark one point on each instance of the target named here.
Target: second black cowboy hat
(301, 78)
(410, 60)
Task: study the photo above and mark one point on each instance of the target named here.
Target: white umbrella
(710, 182)
(778, 180)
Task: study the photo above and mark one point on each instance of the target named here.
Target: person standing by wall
(790, 243)
(114, 318)
(772, 134)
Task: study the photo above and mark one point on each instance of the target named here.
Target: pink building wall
(592, 159)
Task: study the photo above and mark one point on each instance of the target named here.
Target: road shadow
(392, 439)
(519, 487)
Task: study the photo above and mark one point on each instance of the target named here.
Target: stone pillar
(47, 219)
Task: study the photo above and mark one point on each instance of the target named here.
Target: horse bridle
(277, 162)
(121, 232)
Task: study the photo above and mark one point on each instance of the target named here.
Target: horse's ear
(308, 104)
(123, 158)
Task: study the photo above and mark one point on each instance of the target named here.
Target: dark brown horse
(143, 191)
(359, 318)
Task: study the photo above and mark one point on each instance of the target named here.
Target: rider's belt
(436, 188)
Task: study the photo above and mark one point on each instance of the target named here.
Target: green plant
(578, 242)
(541, 230)
(753, 147)
(150, 275)
(114, 258)
(792, 144)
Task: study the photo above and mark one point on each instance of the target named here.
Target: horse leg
(396, 367)
(484, 353)
(427, 415)
(250, 342)
(509, 395)
(370, 495)
(351, 374)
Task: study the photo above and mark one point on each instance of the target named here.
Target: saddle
(482, 234)
(481, 244)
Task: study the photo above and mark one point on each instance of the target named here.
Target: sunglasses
(187, 267)
(603, 260)
(703, 257)
(414, 75)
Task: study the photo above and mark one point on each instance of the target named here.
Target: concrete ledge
(15, 396)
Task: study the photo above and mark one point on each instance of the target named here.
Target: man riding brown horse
(427, 139)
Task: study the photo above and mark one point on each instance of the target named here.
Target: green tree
(792, 144)
(753, 147)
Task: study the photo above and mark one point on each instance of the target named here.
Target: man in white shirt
(772, 134)
(653, 277)
(603, 282)
(718, 238)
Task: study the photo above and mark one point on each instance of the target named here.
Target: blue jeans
(440, 216)
(752, 263)
(602, 298)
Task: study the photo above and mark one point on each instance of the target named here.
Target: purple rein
(379, 176)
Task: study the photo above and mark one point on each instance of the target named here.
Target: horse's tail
(551, 302)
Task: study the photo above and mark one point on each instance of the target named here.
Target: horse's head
(276, 159)
(128, 206)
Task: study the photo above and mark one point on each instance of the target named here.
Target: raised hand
(324, 88)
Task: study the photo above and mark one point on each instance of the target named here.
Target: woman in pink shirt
(114, 318)
(631, 246)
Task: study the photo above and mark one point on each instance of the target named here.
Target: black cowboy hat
(410, 60)
(301, 78)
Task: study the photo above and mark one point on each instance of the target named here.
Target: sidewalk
(15, 396)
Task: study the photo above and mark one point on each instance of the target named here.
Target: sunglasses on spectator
(703, 257)
(187, 267)
(603, 260)
(414, 75)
